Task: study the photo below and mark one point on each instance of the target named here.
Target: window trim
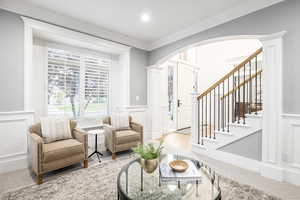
(82, 77)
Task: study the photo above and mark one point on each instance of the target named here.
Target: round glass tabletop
(134, 183)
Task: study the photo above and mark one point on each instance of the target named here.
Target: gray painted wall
(138, 76)
(12, 66)
(250, 147)
(284, 16)
(11, 62)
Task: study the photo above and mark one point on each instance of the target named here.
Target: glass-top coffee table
(134, 183)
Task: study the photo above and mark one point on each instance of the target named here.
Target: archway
(272, 99)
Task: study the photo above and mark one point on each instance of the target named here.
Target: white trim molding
(14, 148)
(272, 105)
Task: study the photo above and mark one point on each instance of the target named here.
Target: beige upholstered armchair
(58, 154)
(121, 140)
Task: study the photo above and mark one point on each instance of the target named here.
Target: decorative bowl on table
(178, 165)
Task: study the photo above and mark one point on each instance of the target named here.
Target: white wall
(217, 59)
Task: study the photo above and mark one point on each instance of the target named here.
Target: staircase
(231, 109)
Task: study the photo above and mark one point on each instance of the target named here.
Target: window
(171, 92)
(78, 84)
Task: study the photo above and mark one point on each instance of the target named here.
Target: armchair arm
(110, 137)
(138, 128)
(36, 151)
(82, 137)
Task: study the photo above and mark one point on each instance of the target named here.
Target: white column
(125, 76)
(28, 46)
(272, 106)
(154, 116)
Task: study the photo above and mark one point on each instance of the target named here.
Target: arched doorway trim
(271, 165)
(220, 39)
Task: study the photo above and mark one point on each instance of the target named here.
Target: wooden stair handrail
(242, 84)
(242, 64)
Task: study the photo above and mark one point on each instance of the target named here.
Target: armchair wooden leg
(39, 179)
(114, 156)
(85, 163)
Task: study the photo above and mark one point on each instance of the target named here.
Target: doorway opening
(194, 70)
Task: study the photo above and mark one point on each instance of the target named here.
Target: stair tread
(224, 133)
(240, 125)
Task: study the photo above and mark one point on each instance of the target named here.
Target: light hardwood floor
(176, 140)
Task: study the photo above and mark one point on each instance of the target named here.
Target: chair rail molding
(14, 143)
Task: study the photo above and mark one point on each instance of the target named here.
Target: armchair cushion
(127, 136)
(55, 128)
(120, 121)
(37, 128)
(62, 149)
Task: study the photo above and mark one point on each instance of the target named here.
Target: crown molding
(228, 15)
(45, 15)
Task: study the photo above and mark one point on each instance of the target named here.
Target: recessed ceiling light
(145, 17)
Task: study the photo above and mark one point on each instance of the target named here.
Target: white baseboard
(240, 161)
(271, 171)
(268, 170)
(13, 164)
(292, 176)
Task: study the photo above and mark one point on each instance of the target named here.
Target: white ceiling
(168, 17)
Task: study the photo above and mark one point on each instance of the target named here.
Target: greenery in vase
(148, 151)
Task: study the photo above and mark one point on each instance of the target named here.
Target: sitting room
(141, 100)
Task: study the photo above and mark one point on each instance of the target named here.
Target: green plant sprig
(148, 151)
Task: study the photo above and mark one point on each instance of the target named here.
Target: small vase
(149, 165)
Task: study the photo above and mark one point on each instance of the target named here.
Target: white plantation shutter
(78, 85)
(96, 85)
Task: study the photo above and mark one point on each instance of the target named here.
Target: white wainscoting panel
(13, 140)
(291, 147)
(139, 115)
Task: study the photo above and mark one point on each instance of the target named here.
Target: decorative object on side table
(178, 165)
(149, 156)
(187, 170)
